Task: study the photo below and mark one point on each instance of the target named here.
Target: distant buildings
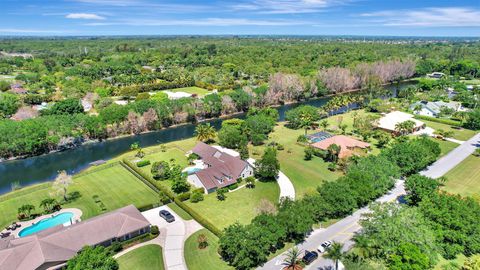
(433, 109)
(390, 121)
(220, 168)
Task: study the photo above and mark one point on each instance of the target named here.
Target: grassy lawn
(148, 257)
(207, 258)
(461, 134)
(457, 263)
(179, 211)
(464, 179)
(115, 186)
(446, 146)
(238, 206)
(191, 90)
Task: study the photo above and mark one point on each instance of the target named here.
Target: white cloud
(202, 22)
(428, 17)
(109, 2)
(287, 6)
(28, 31)
(84, 16)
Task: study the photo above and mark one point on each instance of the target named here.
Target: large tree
(334, 253)
(268, 166)
(205, 132)
(91, 258)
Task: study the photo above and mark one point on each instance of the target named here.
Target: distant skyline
(242, 17)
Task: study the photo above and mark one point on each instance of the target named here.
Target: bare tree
(61, 184)
(150, 118)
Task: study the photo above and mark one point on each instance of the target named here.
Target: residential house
(53, 247)
(433, 108)
(348, 146)
(389, 121)
(220, 168)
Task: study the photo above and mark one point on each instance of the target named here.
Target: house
(348, 146)
(51, 248)
(436, 75)
(220, 168)
(433, 108)
(389, 121)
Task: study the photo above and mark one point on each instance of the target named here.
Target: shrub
(196, 197)
(250, 182)
(116, 247)
(143, 163)
(233, 186)
(221, 194)
(200, 189)
(184, 196)
(440, 120)
(332, 166)
(73, 195)
(308, 153)
(280, 147)
(154, 230)
(302, 139)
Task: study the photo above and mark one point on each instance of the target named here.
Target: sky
(240, 17)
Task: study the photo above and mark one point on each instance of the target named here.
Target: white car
(324, 246)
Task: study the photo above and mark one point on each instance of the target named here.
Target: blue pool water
(193, 170)
(46, 223)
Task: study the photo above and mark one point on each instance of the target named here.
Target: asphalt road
(343, 230)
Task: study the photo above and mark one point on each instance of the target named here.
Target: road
(343, 230)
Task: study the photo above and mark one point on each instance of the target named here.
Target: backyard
(114, 186)
(148, 257)
(240, 205)
(207, 258)
(464, 179)
(461, 134)
(191, 90)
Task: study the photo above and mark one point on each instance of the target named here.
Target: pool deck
(77, 213)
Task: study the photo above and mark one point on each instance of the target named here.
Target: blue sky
(241, 17)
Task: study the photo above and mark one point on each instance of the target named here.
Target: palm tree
(26, 210)
(292, 260)
(405, 127)
(334, 253)
(48, 204)
(324, 124)
(205, 132)
(306, 121)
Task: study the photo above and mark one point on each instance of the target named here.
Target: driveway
(286, 187)
(172, 237)
(343, 230)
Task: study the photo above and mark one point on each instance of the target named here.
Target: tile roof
(346, 144)
(390, 120)
(58, 244)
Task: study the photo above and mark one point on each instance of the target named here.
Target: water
(47, 223)
(46, 167)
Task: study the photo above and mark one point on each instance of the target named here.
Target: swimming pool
(47, 223)
(192, 170)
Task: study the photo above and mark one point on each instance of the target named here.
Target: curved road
(343, 230)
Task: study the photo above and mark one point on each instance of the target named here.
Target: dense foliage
(92, 258)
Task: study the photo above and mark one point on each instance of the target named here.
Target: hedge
(148, 206)
(184, 196)
(200, 189)
(233, 186)
(143, 163)
(204, 222)
(440, 120)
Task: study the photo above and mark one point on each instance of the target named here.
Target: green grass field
(148, 257)
(115, 186)
(446, 146)
(207, 258)
(239, 205)
(461, 134)
(464, 179)
(191, 90)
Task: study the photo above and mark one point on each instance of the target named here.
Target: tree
(9, 104)
(202, 241)
(250, 182)
(26, 210)
(334, 253)
(408, 256)
(61, 183)
(67, 106)
(49, 205)
(243, 151)
(205, 132)
(180, 183)
(268, 166)
(472, 263)
(324, 124)
(292, 260)
(231, 137)
(160, 170)
(473, 119)
(405, 127)
(91, 258)
(333, 151)
(221, 194)
(303, 116)
(419, 187)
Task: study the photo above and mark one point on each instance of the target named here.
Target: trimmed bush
(184, 196)
(143, 163)
(196, 197)
(147, 207)
(233, 186)
(154, 230)
(440, 120)
(200, 189)
(116, 247)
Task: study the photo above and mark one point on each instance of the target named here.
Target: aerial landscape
(251, 134)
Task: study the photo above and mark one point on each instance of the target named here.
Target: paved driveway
(286, 186)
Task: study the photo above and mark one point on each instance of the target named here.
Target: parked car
(324, 246)
(167, 216)
(309, 256)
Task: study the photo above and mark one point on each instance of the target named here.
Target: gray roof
(58, 244)
(435, 106)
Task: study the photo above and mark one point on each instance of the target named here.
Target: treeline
(248, 246)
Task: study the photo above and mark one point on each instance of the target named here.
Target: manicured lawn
(179, 211)
(239, 205)
(446, 146)
(115, 186)
(191, 90)
(464, 179)
(148, 257)
(207, 258)
(456, 263)
(461, 134)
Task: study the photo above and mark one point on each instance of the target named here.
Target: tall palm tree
(324, 124)
(292, 260)
(334, 253)
(405, 127)
(205, 132)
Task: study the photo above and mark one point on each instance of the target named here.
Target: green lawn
(450, 264)
(207, 258)
(458, 133)
(446, 146)
(191, 90)
(464, 179)
(115, 186)
(179, 211)
(239, 205)
(148, 257)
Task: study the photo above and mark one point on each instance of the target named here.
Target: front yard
(207, 258)
(114, 186)
(461, 134)
(148, 257)
(464, 179)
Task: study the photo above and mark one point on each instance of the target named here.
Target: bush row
(203, 221)
(143, 163)
(440, 120)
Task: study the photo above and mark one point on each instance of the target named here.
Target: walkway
(343, 230)
(172, 237)
(286, 187)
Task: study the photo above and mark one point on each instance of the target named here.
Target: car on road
(167, 216)
(324, 246)
(309, 257)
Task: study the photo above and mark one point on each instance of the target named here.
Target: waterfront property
(51, 248)
(220, 168)
(390, 121)
(348, 146)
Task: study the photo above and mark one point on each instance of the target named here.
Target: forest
(62, 92)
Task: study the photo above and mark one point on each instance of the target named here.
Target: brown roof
(223, 169)
(58, 244)
(347, 144)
